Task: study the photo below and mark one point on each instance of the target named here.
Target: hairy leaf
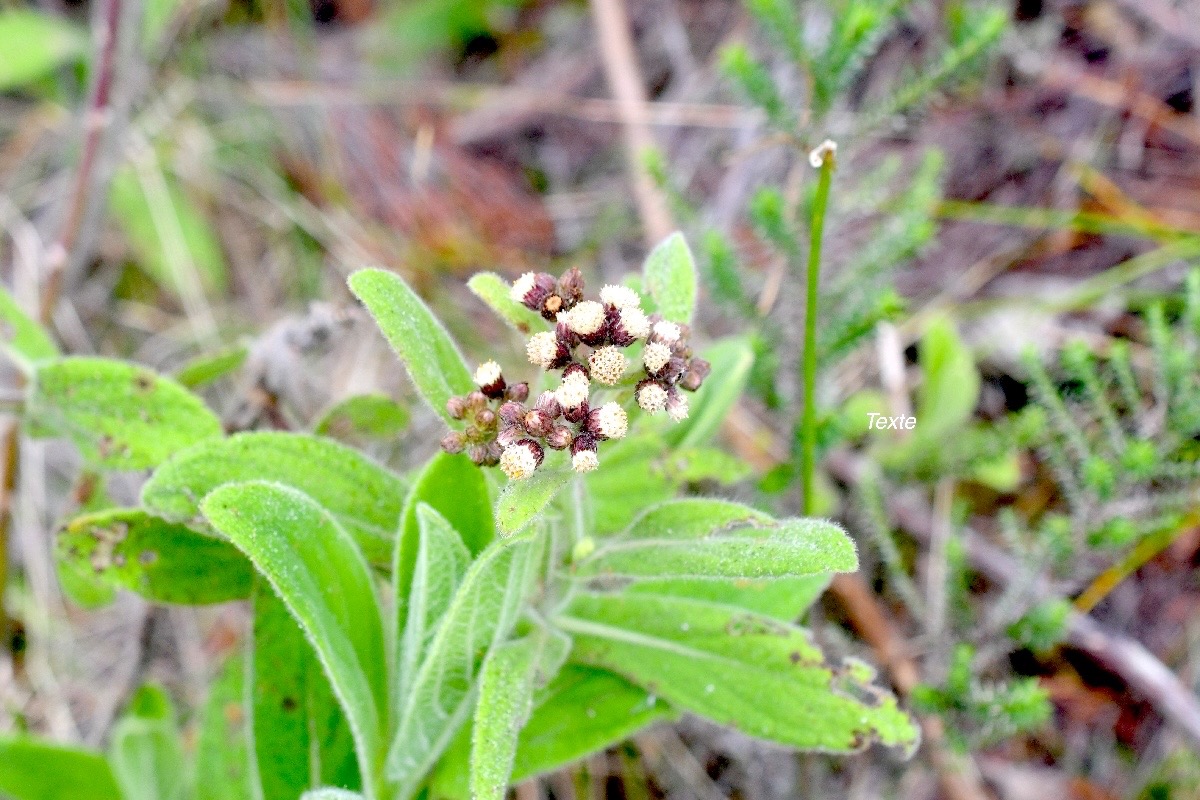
(362, 495)
(670, 276)
(482, 613)
(315, 568)
(721, 663)
(21, 337)
(505, 698)
(363, 418)
(522, 501)
(494, 290)
(160, 560)
(119, 415)
(433, 362)
(145, 751)
(632, 476)
(301, 738)
(31, 769)
(223, 769)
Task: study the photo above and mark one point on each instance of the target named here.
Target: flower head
(608, 422)
(543, 349)
(519, 460)
(667, 332)
(620, 296)
(677, 405)
(628, 325)
(573, 391)
(585, 318)
(651, 397)
(583, 453)
(655, 357)
(532, 290)
(489, 379)
(608, 365)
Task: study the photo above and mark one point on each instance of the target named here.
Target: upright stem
(808, 423)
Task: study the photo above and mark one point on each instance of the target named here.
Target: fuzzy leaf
(694, 517)
(160, 560)
(119, 415)
(23, 339)
(493, 290)
(222, 752)
(363, 418)
(505, 697)
(582, 711)
(31, 769)
(146, 752)
(781, 598)
(670, 276)
(721, 663)
(433, 362)
(522, 501)
(441, 563)
(301, 738)
(34, 45)
(314, 566)
(480, 616)
(632, 476)
(364, 497)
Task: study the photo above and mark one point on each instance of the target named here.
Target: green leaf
(162, 561)
(301, 738)
(731, 360)
(717, 539)
(205, 369)
(670, 275)
(34, 45)
(363, 418)
(222, 754)
(522, 501)
(633, 476)
(146, 751)
(494, 290)
(365, 497)
(24, 340)
(31, 769)
(950, 389)
(331, 794)
(721, 663)
(433, 362)
(441, 563)
(481, 615)
(316, 569)
(582, 711)
(506, 684)
(119, 415)
(171, 237)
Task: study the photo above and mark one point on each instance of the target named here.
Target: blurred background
(1015, 213)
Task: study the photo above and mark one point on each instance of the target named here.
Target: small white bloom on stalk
(667, 332)
(826, 149)
(585, 319)
(651, 397)
(573, 391)
(634, 323)
(542, 349)
(608, 365)
(522, 286)
(489, 380)
(583, 453)
(677, 405)
(521, 459)
(609, 421)
(655, 357)
(620, 296)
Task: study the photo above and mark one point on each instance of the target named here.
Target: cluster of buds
(479, 438)
(516, 436)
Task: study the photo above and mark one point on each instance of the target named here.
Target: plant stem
(808, 422)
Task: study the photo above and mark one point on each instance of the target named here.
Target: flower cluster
(587, 345)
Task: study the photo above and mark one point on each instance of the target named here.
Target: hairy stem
(808, 422)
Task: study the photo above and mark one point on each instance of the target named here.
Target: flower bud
(552, 306)
(570, 285)
(494, 450)
(651, 396)
(655, 357)
(673, 370)
(583, 453)
(511, 414)
(478, 453)
(549, 405)
(620, 297)
(677, 405)
(453, 442)
(509, 436)
(532, 289)
(489, 379)
(573, 391)
(538, 423)
(518, 392)
(608, 365)
(456, 407)
(560, 437)
(587, 321)
(693, 377)
(608, 422)
(577, 414)
(486, 419)
(521, 459)
(629, 326)
(476, 400)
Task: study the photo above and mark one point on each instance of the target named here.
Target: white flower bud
(620, 296)
(520, 460)
(542, 349)
(667, 332)
(585, 461)
(608, 365)
(655, 356)
(585, 318)
(612, 421)
(522, 286)
(634, 321)
(652, 398)
(573, 391)
(487, 373)
(677, 406)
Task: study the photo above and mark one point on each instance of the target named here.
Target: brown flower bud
(552, 305)
(511, 414)
(547, 403)
(493, 454)
(518, 392)
(478, 453)
(693, 377)
(532, 289)
(560, 438)
(486, 419)
(538, 423)
(476, 400)
(577, 414)
(453, 442)
(456, 407)
(571, 286)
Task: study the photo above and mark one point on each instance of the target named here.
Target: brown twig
(625, 80)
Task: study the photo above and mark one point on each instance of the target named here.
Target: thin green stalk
(808, 423)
